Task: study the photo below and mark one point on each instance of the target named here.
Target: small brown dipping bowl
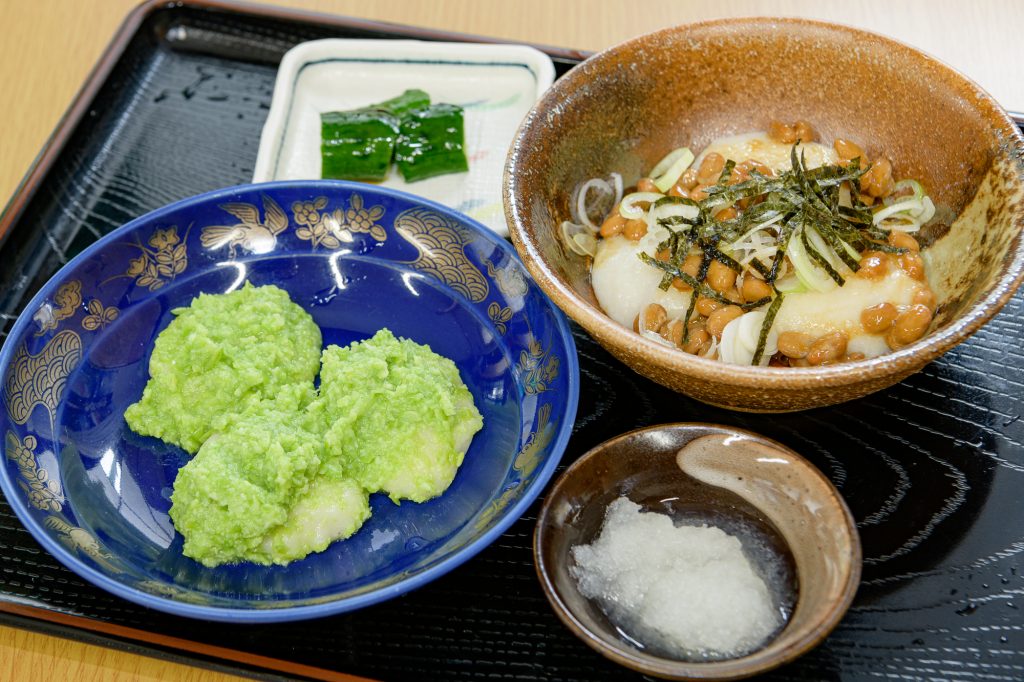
(725, 472)
(625, 108)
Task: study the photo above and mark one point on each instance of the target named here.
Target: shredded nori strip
(686, 319)
(723, 177)
(684, 201)
(835, 241)
(762, 270)
(785, 234)
(675, 221)
(702, 273)
(888, 248)
(769, 320)
(816, 256)
(724, 259)
(804, 198)
(699, 287)
(681, 234)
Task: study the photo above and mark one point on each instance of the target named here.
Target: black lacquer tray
(933, 468)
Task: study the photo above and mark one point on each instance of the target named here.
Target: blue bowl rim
(342, 605)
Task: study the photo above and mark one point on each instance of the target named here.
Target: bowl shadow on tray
(915, 487)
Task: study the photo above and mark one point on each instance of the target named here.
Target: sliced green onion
(667, 210)
(845, 197)
(749, 326)
(749, 233)
(912, 214)
(582, 215)
(790, 284)
(727, 347)
(630, 209)
(898, 193)
(586, 243)
(818, 258)
(819, 244)
(745, 336)
(656, 337)
(668, 170)
(852, 252)
(807, 272)
(910, 206)
(578, 239)
(928, 212)
(712, 350)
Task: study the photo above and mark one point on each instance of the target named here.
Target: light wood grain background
(28, 656)
(49, 46)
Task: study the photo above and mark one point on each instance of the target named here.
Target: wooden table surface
(50, 45)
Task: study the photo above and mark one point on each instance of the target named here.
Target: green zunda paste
(285, 472)
(399, 416)
(220, 355)
(249, 492)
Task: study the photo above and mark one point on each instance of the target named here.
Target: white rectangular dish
(495, 84)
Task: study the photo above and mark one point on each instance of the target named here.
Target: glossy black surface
(933, 468)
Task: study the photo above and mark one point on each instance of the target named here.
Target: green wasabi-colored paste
(242, 482)
(257, 490)
(400, 417)
(218, 356)
(284, 472)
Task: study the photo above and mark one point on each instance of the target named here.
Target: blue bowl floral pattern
(358, 258)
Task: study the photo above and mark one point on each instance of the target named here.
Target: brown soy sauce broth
(762, 545)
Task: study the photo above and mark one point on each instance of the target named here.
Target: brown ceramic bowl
(624, 108)
(723, 472)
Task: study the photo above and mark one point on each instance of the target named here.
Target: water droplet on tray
(324, 297)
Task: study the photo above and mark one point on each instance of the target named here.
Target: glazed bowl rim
(456, 558)
(727, 669)
(904, 360)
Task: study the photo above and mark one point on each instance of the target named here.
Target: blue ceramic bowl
(358, 258)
